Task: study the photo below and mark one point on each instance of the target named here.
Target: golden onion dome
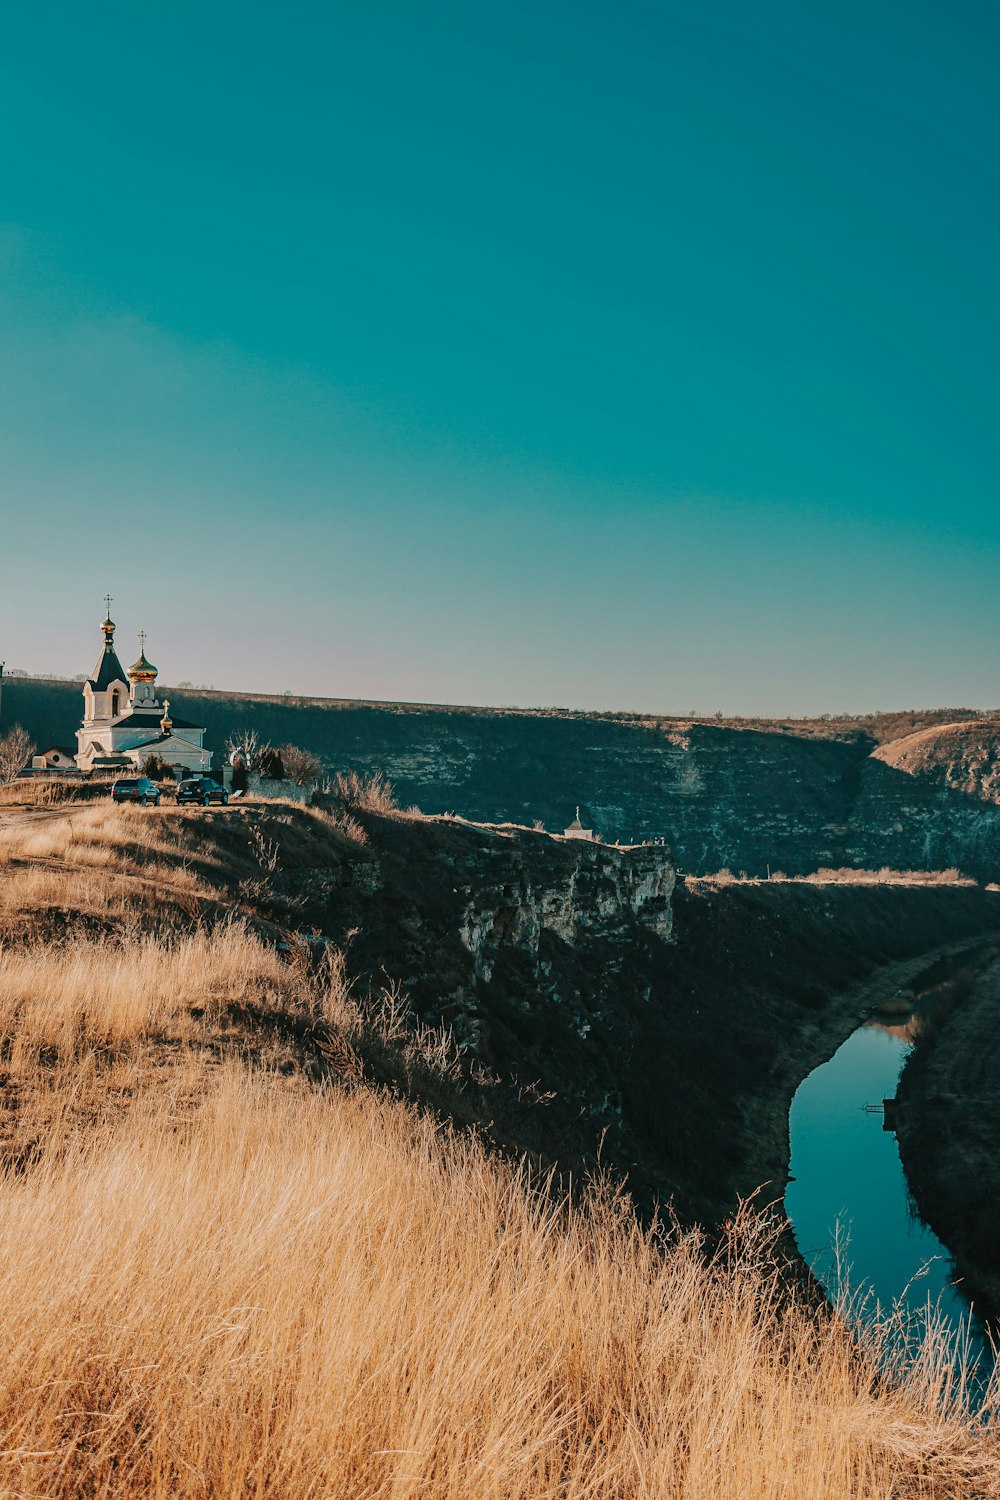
(142, 670)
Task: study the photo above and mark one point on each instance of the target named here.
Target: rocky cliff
(738, 797)
(603, 1012)
(948, 1129)
(661, 1030)
(483, 928)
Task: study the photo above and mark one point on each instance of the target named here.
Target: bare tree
(16, 749)
(243, 747)
(301, 765)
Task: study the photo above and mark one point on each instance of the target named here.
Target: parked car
(136, 789)
(201, 789)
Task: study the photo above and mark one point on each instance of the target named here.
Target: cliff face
(746, 799)
(672, 1061)
(964, 756)
(483, 927)
(948, 1128)
(589, 892)
(915, 819)
(603, 1013)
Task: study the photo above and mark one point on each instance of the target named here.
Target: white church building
(124, 720)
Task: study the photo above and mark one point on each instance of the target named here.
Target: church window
(115, 696)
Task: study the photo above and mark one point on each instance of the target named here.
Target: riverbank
(948, 1126)
(671, 1064)
(761, 983)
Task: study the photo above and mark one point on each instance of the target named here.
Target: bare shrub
(16, 749)
(887, 876)
(349, 827)
(360, 793)
(267, 852)
(269, 764)
(301, 765)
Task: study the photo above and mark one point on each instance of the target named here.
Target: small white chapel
(124, 720)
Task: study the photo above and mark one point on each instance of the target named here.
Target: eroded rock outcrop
(673, 1061)
(572, 890)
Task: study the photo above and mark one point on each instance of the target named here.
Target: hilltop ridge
(879, 726)
(744, 795)
(964, 756)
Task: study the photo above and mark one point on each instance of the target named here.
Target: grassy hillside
(238, 1262)
(963, 756)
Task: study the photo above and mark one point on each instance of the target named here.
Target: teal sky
(635, 356)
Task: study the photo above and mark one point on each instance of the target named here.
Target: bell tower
(106, 690)
(142, 679)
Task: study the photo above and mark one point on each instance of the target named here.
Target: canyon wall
(744, 798)
(660, 1030)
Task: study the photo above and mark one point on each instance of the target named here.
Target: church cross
(107, 600)
(142, 643)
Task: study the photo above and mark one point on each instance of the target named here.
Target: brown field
(228, 1271)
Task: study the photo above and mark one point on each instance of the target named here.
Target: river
(846, 1179)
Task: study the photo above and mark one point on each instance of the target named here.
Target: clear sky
(635, 355)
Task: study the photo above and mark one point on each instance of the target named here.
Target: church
(124, 720)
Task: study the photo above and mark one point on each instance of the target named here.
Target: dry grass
(846, 875)
(289, 1295)
(88, 1027)
(103, 859)
(101, 833)
(330, 817)
(44, 792)
(223, 1282)
(356, 793)
(88, 993)
(887, 876)
(86, 1023)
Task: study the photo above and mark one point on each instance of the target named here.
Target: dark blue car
(136, 789)
(201, 789)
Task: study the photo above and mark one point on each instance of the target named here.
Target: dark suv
(136, 789)
(201, 789)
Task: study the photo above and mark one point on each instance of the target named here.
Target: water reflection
(847, 1197)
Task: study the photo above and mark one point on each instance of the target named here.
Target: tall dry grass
(217, 1283)
(844, 875)
(71, 1011)
(289, 1295)
(95, 833)
(101, 858)
(87, 993)
(364, 793)
(43, 791)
